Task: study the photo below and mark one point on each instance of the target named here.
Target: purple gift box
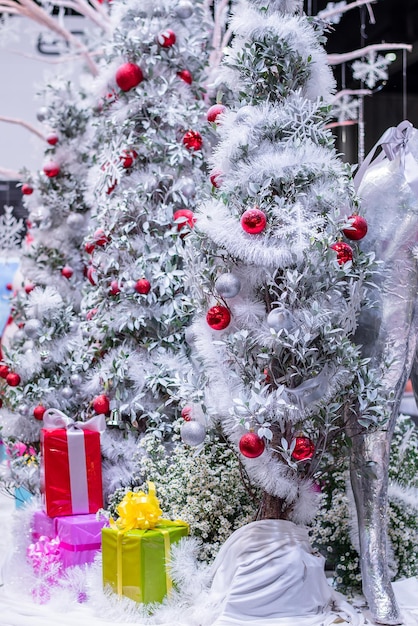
(79, 535)
(80, 538)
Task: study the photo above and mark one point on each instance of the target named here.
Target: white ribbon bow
(53, 418)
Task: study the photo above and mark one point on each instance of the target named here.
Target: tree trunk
(272, 507)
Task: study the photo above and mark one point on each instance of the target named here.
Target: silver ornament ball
(184, 9)
(187, 187)
(67, 393)
(23, 409)
(192, 433)
(32, 328)
(243, 114)
(75, 220)
(129, 286)
(280, 319)
(42, 114)
(75, 379)
(228, 285)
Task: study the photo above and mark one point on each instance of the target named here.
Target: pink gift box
(80, 538)
(42, 526)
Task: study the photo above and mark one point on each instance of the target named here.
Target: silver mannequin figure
(388, 336)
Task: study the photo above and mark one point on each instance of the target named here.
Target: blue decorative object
(22, 496)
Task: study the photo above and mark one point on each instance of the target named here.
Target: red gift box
(71, 468)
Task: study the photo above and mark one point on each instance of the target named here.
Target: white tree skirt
(18, 609)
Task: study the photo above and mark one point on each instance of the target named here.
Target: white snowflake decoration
(331, 7)
(345, 108)
(371, 70)
(11, 231)
(298, 227)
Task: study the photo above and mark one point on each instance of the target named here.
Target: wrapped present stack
(71, 486)
(136, 548)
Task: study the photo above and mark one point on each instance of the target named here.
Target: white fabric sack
(267, 572)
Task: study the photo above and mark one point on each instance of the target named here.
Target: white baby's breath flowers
(204, 487)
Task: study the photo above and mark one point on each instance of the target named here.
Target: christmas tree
(277, 268)
(148, 170)
(47, 296)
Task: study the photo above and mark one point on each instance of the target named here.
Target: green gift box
(135, 561)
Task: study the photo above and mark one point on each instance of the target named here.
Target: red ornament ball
(101, 404)
(127, 158)
(51, 169)
(13, 379)
(267, 377)
(92, 275)
(253, 221)
(142, 286)
(28, 288)
(167, 38)
(38, 412)
(111, 188)
(52, 139)
(90, 314)
(213, 112)
(27, 190)
(186, 76)
(193, 140)
(304, 449)
(9, 286)
(344, 252)
(251, 445)
(358, 228)
(89, 246)
(186, 413)
(67, 271)
(218, 317)
(114, 288)
(100, 238)
(216, 178)
(185, 216)
(128, 76)
(4, 371)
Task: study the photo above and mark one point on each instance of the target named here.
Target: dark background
(396, 21)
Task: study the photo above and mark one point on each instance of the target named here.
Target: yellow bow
(138, 510)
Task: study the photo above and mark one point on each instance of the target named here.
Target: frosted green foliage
(197, 488)
(264, 63)
(286, 364)
(334, 530)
